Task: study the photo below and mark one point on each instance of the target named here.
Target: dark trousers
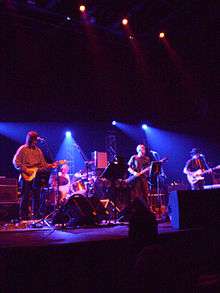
(29, 190)
(140, 190)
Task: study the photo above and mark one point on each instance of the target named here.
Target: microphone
(41, 139)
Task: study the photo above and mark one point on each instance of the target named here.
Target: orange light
(161, 35)
(82, 8)
(124, 21)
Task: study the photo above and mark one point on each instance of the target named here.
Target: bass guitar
(30, 173)
(145, 170)
(194, 177)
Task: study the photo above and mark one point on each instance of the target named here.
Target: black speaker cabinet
(9, 211)
(8, 189)
(194, 208)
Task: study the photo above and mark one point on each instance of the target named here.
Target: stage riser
(192, 209)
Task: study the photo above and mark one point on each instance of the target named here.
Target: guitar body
(32, 171)
(194, 177)
(30, 174)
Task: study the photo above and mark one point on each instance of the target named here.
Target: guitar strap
(198, 162)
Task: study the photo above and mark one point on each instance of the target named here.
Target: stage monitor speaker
(100, 159)
(80, 210)
(193, 209)
(8, 190)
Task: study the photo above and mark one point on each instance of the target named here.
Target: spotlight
(114, 122)
(82, 8)
(124, 21)
(68, 134)
(161, 35)
(68, 18)
(144, 126)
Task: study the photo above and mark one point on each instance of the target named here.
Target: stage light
(124, 21)
(144, 126)
(68, 134)
(68, 18)
(114, 122)
(161, 35)
(82, 8)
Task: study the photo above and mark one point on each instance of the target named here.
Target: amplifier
(8, 189)
(100, 159)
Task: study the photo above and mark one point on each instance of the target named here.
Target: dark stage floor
(103, 259)
(50, 236)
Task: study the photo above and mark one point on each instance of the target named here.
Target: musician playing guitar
(195, 169)
(138, 167)
(29, 160)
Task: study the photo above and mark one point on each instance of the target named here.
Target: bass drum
(77, 211)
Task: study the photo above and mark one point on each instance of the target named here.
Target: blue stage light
(68, 134)
(114, 122)
(144, 126)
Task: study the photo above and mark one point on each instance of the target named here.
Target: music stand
(113, 172)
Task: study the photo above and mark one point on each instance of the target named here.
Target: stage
(97, 259)
(11, 237)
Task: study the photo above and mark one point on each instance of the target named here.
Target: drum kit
(81, 183)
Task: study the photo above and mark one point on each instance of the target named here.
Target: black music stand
(113, 172)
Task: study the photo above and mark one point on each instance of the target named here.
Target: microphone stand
(45, 217)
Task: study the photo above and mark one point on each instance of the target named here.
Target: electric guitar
(145, 170)
(31, 172)
(194, 177)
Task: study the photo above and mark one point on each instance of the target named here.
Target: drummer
(64, 182)
(62, 179)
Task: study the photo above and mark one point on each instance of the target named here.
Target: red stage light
(161, 35)
(124, 21)
(82, 8)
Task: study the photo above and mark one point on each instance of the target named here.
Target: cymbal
(89, 162)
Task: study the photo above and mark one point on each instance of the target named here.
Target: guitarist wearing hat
(29, 160)
(195, 169)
